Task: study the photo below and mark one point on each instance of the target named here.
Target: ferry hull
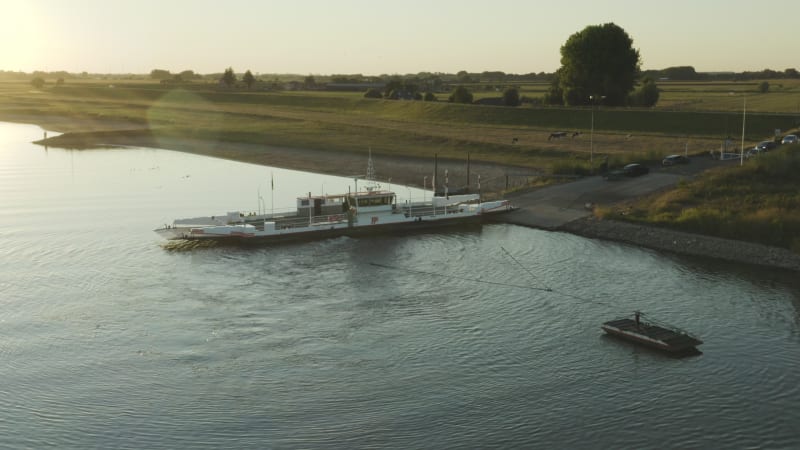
(410, 227)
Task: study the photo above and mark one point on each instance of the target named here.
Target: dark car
(671, 160)
(766, 146)
(634, 170)
(754, 151)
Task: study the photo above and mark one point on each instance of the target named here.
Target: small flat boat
(654, 335)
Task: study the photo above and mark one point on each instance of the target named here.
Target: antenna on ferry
(446, 190)
(371, 184)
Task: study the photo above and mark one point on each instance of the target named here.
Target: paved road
(553, 206)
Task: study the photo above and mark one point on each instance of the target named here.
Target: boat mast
(468, 188)
(371, 183)
(446, 196)
(272, 194)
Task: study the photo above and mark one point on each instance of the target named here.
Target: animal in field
(577, 133)
(557, 135)
(514, 140)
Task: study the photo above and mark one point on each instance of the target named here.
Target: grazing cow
(557, 135)
(577, 133)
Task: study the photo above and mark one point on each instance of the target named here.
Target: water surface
(109, 340)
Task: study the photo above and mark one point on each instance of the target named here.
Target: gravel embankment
(684, 243)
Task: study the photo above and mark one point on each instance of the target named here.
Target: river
(110, 339)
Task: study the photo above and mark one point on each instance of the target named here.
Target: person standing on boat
(636, 317)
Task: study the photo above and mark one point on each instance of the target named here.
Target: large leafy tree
(160, 74)
(248, 79)
(229, 78)
(598, 62)
(461, 95)
(511, 96)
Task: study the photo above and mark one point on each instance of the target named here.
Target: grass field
(347, 121)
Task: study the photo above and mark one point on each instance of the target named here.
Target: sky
(374, 37)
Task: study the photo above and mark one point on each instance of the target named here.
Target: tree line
(599, 66)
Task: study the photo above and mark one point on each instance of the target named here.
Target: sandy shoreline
(397, 170)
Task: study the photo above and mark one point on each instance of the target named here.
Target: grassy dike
(415, 129)
(757, 202)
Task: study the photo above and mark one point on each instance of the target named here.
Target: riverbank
(684, 243)
(393, 169)
(417, 172)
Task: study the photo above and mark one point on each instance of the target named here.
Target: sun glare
(21, 36)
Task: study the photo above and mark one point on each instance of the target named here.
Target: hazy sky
(375, 37)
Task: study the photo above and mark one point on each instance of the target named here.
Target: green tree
(310, 82)
(394, 85)
(248, 79)
(429, 97)
(160, 74)
(599, 60)
(763, 87)
(460, 95)
(647, 95)
(681, 73)
(554, 94)
(373, 93)
(511, 96)
(229, 78)
(187, 75)
(37, 82)
(463, 77)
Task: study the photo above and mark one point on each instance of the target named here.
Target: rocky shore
(684, 243)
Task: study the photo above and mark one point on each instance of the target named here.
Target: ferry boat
(654, 335)
(370, 211)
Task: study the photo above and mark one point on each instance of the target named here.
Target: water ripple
(112, 339)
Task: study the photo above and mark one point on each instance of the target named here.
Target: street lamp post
(744, 118)
(591, 139)
(593, 98)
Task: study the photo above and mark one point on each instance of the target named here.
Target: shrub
(373, 93)
(511, 97)
(461, 95)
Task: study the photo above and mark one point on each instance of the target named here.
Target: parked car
(671, 160)
(634, 170)
(764, 146)
(789, 139)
